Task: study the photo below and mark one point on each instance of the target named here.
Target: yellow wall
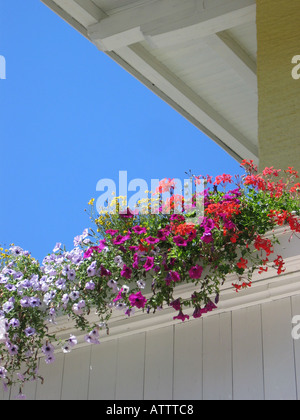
(278, 36)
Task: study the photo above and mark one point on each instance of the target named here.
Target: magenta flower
(178, 217)
(138, 300)
(207, 224)
(119, 296)
(139, 230)
(180, 241)
(111, 232)
(207, 237)
(151, 240)
(126, 272)
(196, 272)
(172, 276)
(176, 304)
(210, 306)
(162, 234)
(135, 261)
(121, 239)
(175, 276)
(149, 263)
(181, 316)
(128, 214)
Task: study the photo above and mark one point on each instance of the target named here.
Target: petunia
(57, 247)
(139, 230)
(126, 272)
(119, 240)
(181, 316)
(180, 241)
(135, 263)
(176, 304)
(149, 263)
(207, 237)
(196, 272)
(112, 232)
(151, 240)
(137, 300)
(29, 331)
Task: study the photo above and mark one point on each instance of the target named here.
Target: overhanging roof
(197, 55)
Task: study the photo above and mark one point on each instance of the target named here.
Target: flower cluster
(136, 261)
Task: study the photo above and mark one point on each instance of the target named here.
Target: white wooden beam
(176, 91)
(85, 12)
(232, 53)
(166, 19)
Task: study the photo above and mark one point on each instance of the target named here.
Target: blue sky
(69, 117)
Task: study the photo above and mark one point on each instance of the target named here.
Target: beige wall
(278, 34)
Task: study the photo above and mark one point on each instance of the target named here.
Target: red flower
(243, 263)
(279, 263)
(223, 179)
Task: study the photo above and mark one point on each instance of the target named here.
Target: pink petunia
(196, 272)
(180, 241)
(139, 230)
(149, 263)
(181, 316)
(126, 272)
(138, 300)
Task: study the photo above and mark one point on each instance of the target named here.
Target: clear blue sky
(69, 117)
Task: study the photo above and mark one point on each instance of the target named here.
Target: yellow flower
(91, 202)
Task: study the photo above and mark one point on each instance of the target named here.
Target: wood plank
(130, 367)
(248, 381)
(102, 383)
(52, 374)
(188, 361)
(217, 357)
(278, 351)
(76, 374)
(159, 364)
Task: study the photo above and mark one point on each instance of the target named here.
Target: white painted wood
(159, 364)
(247, 354)
(227, 48)
(102, 382)
(130, 368)
(76, 380)
(211, 23)
(83, 11)
(188, 361)
(53, 375)
(278, 351)
(217, 358)
(182, 94)
(169, 16)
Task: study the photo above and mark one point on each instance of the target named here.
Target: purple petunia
(149, 263)
(126, 272)
(196, 272)
(180, 241)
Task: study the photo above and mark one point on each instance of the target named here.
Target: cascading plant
(125, 254)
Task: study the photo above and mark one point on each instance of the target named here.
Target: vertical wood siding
(245, 354)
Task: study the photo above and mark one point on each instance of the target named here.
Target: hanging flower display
(125, 254)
